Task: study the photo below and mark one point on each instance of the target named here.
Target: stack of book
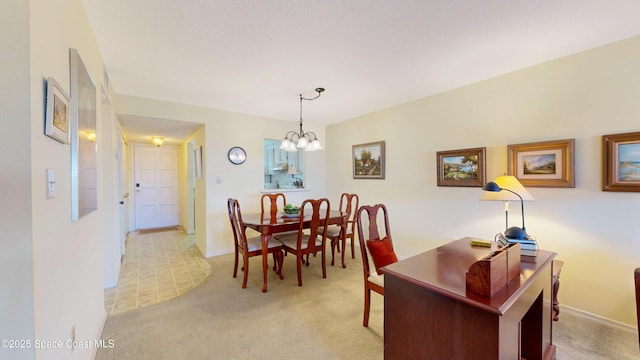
(528, 247)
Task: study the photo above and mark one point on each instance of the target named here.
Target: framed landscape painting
(621, 162)
(368, 160)
(464, 167)
(543, 164)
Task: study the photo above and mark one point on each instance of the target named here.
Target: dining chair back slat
(271, 201)
(313, 240)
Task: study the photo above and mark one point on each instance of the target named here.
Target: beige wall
(16, 262)
(53, 267)
(221, 131)
(583, 96)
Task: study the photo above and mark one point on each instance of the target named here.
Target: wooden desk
(267, 226)
(428, 314)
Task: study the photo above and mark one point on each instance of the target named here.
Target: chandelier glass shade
(308, 141)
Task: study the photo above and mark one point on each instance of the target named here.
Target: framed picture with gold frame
(465, 167)
(621, 162)
(543, 164)
(368, 160)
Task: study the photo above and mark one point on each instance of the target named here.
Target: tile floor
(157, 266)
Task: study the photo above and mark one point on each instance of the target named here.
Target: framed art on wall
(368, 160)
(57, 117)
(621, 162)
(465, 167)
(543, 164)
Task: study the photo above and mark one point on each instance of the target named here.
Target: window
(282, 169)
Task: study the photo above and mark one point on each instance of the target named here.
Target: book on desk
(528, 247)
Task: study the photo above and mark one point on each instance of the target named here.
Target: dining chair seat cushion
(255, 243)
(334, 230)
(376, 279)
(292, 241)
(382, 253)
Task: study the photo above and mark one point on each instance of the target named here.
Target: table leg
(265, 257)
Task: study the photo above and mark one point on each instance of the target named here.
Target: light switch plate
(51, 181)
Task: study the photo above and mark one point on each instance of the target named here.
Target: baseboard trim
(220, 252)
(597, 318)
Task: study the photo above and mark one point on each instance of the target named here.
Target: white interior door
(156, 186)
(122, 189)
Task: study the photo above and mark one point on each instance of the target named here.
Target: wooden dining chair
(313, 240)
(250, 247)
(349, 207)
(270, 202)
(376, 249)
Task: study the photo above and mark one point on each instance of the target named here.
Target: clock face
(237, 155)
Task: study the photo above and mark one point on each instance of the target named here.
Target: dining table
(268, 226)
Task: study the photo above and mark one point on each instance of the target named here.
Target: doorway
(156, 187)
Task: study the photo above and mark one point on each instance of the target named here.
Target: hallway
(158, 265)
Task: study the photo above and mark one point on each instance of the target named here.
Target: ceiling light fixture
(157, 140)
(295, 140)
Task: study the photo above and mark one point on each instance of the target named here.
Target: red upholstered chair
(348, 206)
(637, 278)
(373, 236)
(314, 240)
(249, 247)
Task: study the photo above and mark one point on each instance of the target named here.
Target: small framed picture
(464, 167)
(621, 162)
(543, 164)
(368, 160)
(57, 116)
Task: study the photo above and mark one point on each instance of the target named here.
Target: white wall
(68, 262)
(223, 130)
(583, 96)
(16, 262)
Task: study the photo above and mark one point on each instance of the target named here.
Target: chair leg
(367, 306)
(275, 262)
(333, 248)
(245, 266)
(280, 262)
(324, 263)
(352, 248)
(344, 250)
(299, 267)
(235, 264)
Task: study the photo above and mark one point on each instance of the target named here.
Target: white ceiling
(255, 57)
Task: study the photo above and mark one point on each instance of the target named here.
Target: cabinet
(277, 164)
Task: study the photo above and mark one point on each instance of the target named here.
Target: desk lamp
(506, 188)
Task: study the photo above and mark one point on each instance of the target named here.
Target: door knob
(122, 202)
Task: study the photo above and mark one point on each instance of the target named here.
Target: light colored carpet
(320, 320)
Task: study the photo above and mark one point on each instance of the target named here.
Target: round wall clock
(237, 155)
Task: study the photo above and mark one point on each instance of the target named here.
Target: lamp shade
(507, 182)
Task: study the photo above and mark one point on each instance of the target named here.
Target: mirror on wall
(282, 169)
(84, 165)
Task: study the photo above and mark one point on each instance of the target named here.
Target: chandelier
(295, 140)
